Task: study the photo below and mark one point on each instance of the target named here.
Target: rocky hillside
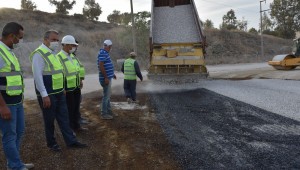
(241, 47)
(223, 46)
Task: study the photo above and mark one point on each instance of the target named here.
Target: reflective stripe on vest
(52, 68)
(81, 69)
(71, 70)
(129, 70)
(12, 73)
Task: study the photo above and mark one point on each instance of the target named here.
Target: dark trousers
(58, 110)
(129, 88)
(73, 103)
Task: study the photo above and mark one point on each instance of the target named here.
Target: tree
(266, 22)
(91, 10)
(208, 24)
(126, 18)
(115, 17)
(229, 20)
(287, 16)
(242, 25)
(62, 6)
(28, 5)
(142, 20)
(253, 31)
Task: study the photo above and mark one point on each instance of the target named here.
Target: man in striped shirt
(106, 74)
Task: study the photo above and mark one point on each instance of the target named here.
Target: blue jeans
(58, 111)
(106, 108)
(12, 131)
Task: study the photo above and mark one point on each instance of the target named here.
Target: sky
(207, 9)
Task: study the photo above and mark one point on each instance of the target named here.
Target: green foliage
(142, 19)
(115, 17)
(28, 5)
(267, 24)
(91, 10)
(208, 24)
(62, 6)
(253, 31)
(287, 16)
(270, 32)
(142, 30)
(229, 21)
(242, 25)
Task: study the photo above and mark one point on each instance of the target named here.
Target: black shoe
(55, 148)
(78, 145)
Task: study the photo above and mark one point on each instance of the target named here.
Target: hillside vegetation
(223, 46)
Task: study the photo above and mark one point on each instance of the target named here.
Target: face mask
(110, 49)
(15, 46)
(54, 46)
(73, 50)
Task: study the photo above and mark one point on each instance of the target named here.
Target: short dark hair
(47, 33)
(11, 28)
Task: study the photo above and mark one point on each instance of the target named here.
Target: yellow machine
(287, 61)
(177, 43)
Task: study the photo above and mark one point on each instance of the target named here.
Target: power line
(240, 9)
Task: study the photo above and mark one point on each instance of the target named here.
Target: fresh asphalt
(211, 131)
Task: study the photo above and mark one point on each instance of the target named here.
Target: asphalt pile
(174, 25)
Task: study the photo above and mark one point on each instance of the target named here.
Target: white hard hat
(68, 39)
(107, 42)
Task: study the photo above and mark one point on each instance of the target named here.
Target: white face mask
(15, 46)
(73, 50)
(54, 46)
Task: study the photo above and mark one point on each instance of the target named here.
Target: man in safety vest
(12, 122)
(49, 82)
(82, 120)
(73, 82)
(131, 69)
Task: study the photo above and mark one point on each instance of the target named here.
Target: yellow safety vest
(71, 71)
(52, 68)
(12, 73)
(81, 69)
(129, 70)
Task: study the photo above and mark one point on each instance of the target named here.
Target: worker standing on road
(49, 82)
(72, 80)
(131, 69)
(106, 74)
(12, 122)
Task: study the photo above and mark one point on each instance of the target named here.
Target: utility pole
(261, 31)
(133, 29)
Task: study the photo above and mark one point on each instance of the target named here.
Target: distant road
(251, 70)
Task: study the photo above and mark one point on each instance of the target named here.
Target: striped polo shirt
(103, 56)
